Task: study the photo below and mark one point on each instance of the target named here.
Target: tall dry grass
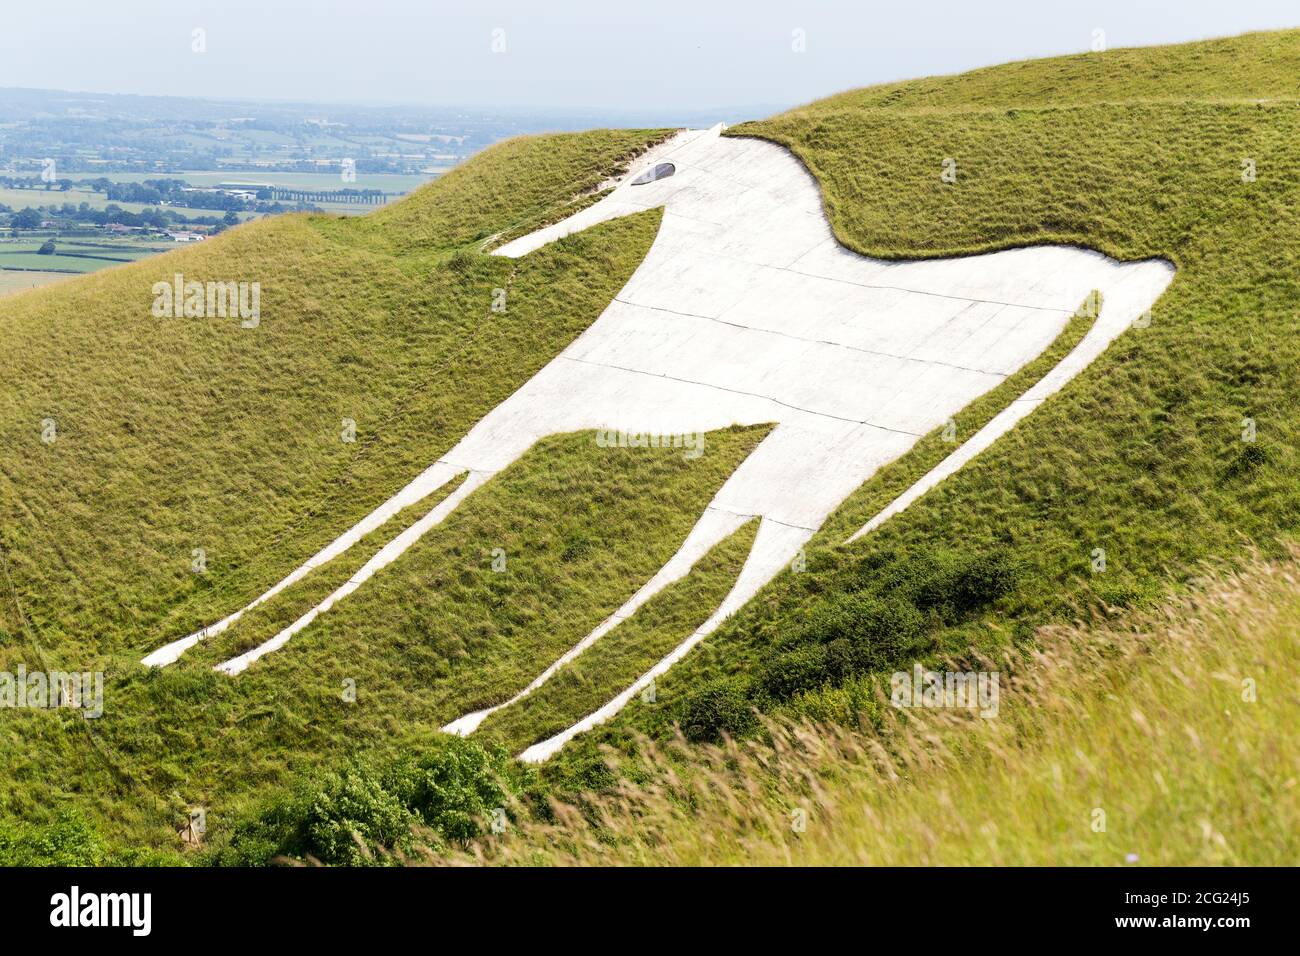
(1148, 721)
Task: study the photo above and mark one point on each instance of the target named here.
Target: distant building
(244, 187)
(186, 237)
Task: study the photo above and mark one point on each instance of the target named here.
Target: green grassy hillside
(1176, 447)
(1169, 738)
(175, 434)
(1137, 153)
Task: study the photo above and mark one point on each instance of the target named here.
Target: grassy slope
(1137, 153)
(518, 189)
(1142, 455)
(177, 434)
(1150, 721)
(435, 635)
(227, 438)
(626, 652)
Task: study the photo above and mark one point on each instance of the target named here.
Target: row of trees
(29, 218)
(364, 197)
(176, 192)
(35, 182)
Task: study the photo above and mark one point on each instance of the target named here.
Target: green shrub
(455, 789)
(461, 262)
(69, 841)
(877, 629)
(353, 816)
(350, 816)
(804, 668)
(72, 841)
(717, 707)
(954, 584)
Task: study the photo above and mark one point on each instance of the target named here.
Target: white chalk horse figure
(746, 310)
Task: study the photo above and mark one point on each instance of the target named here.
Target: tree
(47, 249)
(230, 219)
(29, 218)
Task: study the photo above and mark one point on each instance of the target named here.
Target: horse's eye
(660, 171)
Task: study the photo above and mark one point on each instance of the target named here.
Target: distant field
(75, 255)
(12, 282)
(22, 198)
(388, 182)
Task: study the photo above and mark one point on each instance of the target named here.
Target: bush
(69, 841)
(576, 548)
(717, 707)
(455, 789)
(350, 817)
(1248, 459)
(883, 621)
(461, 262)
(47, 248)
(805, 668)
(956, 584)
(879, 630)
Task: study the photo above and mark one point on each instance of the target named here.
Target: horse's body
(746, 310)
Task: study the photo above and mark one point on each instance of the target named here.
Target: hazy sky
(607, 54)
